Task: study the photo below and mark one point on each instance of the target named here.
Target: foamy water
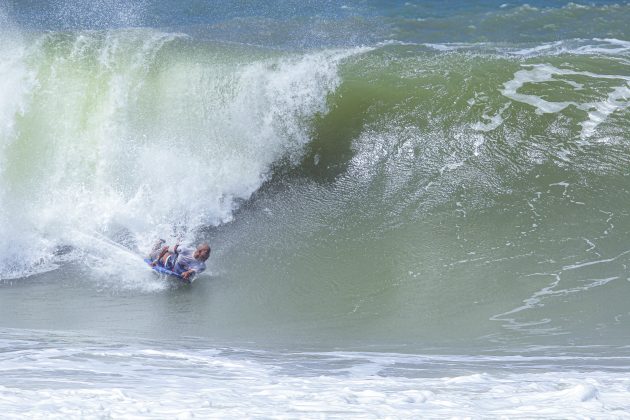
(69, 376)
(617, 97)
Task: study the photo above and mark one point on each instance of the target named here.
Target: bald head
(202, 252)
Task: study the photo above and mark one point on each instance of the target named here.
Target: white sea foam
(71, 378)
(606, 46)
(613, 49)
(451, 46)
(493, 121)
(616, 100)
(597, 46)
(598, 111)
(543, 48)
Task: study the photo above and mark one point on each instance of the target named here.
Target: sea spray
(144, 132)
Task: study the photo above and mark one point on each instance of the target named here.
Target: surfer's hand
(187, 274)
(153, 264)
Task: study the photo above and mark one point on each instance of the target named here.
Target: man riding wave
(183, 261)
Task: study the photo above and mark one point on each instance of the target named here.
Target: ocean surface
(416, 209)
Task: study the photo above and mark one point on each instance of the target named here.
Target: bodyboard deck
(165, 271)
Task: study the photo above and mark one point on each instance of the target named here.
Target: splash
(136, 134)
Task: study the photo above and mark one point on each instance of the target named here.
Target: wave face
(421, 189)
(453, 193)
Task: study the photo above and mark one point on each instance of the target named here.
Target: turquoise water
(402, 199)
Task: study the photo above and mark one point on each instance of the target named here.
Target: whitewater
(416, 210)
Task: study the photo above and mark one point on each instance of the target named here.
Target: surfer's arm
(187, 274)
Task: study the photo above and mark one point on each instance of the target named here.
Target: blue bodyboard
(162, 270)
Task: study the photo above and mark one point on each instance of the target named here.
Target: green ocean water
(416, 209)
(398, 194)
